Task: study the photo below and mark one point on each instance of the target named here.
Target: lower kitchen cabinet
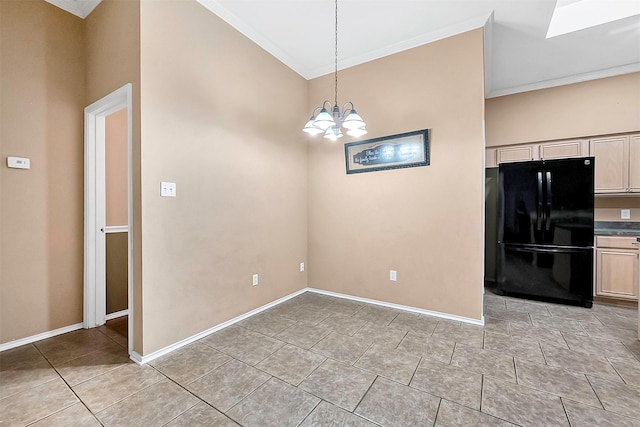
(617, 267)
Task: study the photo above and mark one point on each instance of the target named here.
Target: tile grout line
(595, 392)
(68, 386)
(192, 394)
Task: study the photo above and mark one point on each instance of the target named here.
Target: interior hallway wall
(424, 222)
(221, 118)
(42, 78)
(112, 52)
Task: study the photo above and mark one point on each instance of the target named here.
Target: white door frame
(95, 208)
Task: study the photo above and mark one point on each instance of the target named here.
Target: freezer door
(568, 202)
(546, 273)
(521, 203)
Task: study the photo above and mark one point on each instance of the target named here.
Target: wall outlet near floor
(625, 213)
(302, 266)
(393, 275)
(255, 280)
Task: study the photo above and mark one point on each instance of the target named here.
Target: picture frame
(405, 150)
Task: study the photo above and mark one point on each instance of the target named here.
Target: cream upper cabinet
(614, 166)
(518, 153)
(616, 267)
(634, 163)
(538, 151)
(564, 149)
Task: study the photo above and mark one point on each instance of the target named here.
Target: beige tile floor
(318, 361)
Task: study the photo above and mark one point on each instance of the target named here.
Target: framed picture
(405, 150)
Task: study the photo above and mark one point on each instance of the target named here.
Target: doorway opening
(95, 211)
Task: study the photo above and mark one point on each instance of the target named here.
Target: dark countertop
(615, 228)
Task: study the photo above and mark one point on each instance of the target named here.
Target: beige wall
(608, 208)
(112, 52)
(116, 168)
(222, 119)
(424, 222)
(596, 107)
(116, 272)
(41, 102)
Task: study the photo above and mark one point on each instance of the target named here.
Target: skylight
(575, 15)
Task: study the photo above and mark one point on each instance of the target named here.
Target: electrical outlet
(302, 266)
(255, 280)
(625, 213)
(167, 189)
(393, 275)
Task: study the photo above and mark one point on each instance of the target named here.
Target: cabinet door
(522, 153)
(617, 273)
(564, 149)
(634, 163)
(612, 160)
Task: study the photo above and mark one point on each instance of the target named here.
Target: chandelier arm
(345, 109)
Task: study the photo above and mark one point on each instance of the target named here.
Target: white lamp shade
(333, 133)
(353, 120)
(324, 120)
(310, 128)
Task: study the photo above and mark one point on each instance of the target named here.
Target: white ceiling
(300, 33)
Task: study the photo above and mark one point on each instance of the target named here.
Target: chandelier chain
(336, 57)
(330, 121)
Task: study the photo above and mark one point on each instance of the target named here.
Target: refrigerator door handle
(549, 200)
(539, 211)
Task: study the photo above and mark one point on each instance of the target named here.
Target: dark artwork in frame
(405, 150)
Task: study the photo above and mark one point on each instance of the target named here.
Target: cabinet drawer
(620, 242)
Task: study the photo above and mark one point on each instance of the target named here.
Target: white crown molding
(80, 8)
(222, 12)
(249, 32)
(576, 78)
(443, 33)
(38, 337)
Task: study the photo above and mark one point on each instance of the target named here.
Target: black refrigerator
(545, 230)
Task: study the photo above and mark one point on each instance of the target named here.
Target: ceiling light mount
(330, 120)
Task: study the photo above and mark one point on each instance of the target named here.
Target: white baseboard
(401, 307)
(38, 337)
(139, 359)
(117, 314)
(151, 356)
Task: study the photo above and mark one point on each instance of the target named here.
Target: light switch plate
(625, 213)
(254, 281)
(168, 189)
(302, 266)
(18, 162)
(393, 275)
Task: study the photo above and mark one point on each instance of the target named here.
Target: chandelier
(330, 120)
